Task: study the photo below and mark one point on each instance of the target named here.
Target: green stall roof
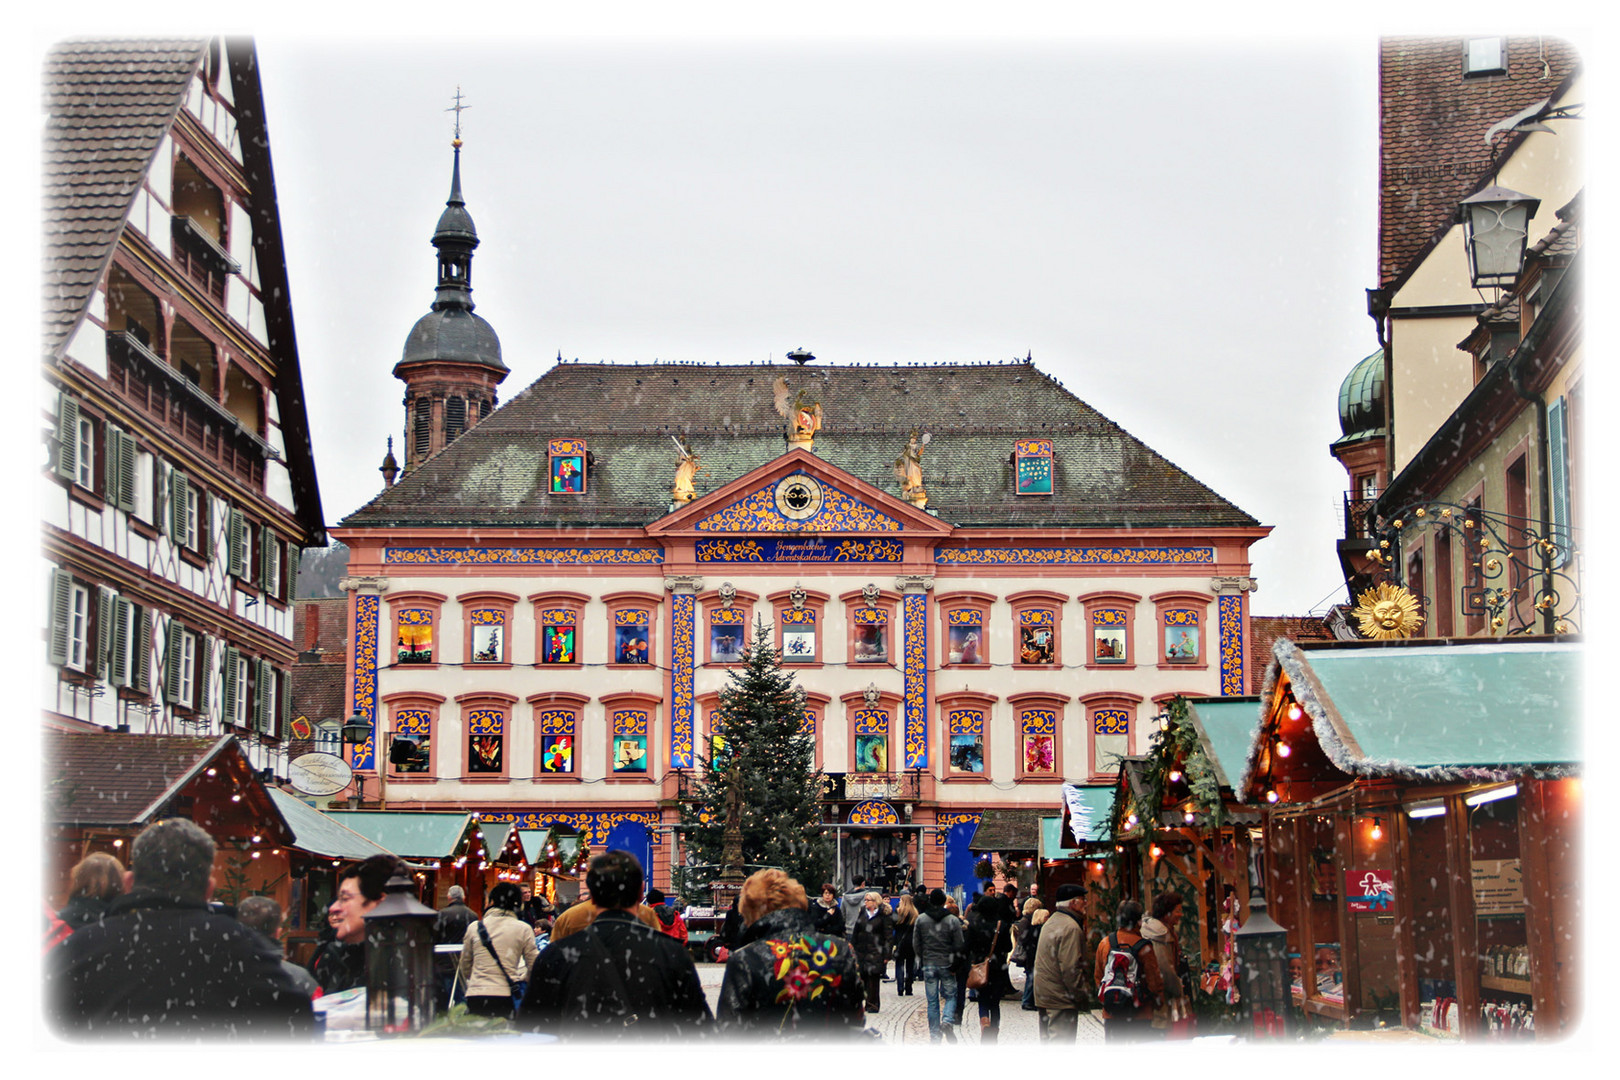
(1087, 809)
(319, 834)
(534, 844)
(1052, 840)
(1226, 727)
(411, 834)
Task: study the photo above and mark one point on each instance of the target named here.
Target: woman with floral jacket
(786, 980)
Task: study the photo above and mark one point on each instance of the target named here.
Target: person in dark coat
(450, 928)
(825, 913)
(618, 978)
(162, 965)
(340, 964)
(788, 980)
(983, 920)
(937, 936)
(731, 927)
(262, 915)
(873, 939)
(905, 952)
(97, 880)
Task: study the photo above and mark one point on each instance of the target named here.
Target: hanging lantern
(1496, 223)
(400, 987)
(1262, 955)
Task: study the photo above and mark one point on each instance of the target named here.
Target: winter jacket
(1060, 962)
(827, 920)
(903, 947)
(998, 914)
(1166, 953)
(575, 989)
(1154, 986)
(670, 922)
(788, 980)
(873, 937)
(514, 942)
(583, 914)
(338, 967)
(162, 967)
(82, 911)
(853, 903)
(937, 937)
(451, 925)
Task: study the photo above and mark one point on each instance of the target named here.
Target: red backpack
(1123, 985)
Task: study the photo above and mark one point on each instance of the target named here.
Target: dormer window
(1484, 56)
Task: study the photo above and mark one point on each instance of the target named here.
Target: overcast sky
(1181, 235)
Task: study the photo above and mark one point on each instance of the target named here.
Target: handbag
(979, 974)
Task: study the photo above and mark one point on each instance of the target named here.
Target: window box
(1110, 721)
(486, 719)
(410, 748)
(416, 619)
(1110, 621)
(558, 618)
(800, 620)
(872, 622)
(730, 630)
(486, 619)
(633, 737)
(965, 629)
(557, 719)
(633, 626)
(1180, 618)
(965, 727)
(1038, 723)
(871, 732)
(1037, 617)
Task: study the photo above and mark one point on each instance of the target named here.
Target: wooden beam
(1539, 887)
(1464, 924)
(1344, 858)
(1406, 980)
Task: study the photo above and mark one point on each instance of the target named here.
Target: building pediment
(799, 493)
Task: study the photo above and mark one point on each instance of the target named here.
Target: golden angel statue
(685, 469)
(802, 414)
(908, 470)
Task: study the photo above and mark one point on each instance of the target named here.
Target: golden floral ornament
(1387, 611)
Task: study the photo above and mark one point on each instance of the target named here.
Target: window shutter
(284, 713)
(205, 671)
(118, 672)
(235, 543)
(61, 617)
(104, 631)
(160, 494)
(1558, 478)
(172, 639)
(67, 437)
(121, 468)
(179, 488)
(207, 541)
(295, 555)
(142, 654)
(231, 688)
(264, 699)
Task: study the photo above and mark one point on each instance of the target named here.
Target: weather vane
(456, 108)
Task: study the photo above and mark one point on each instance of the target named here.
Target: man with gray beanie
(1060, 965)
(162, 965)
(450, 928)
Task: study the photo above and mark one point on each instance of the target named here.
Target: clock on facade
(798, 497)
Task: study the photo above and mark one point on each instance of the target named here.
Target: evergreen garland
(762, 735)
(1176, 748)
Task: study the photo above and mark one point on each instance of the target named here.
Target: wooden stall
(102, 789)
(450, 846)
(1422, 811)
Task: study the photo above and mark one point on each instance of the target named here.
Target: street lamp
(1262, 954)
(1496, 223)
(399, 960)
(355, 732)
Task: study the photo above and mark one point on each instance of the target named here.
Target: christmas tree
(760, 771)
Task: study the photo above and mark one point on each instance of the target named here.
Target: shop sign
(1498, 887)
(319, 774)
(1369, 890)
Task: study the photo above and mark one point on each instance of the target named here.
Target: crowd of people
(145, 953)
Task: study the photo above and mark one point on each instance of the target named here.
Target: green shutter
(284, 713)
(142, 650)
(172, 638)
(264, 698)
(67, 437)
(231, 687)
(104, 628)
(205, 672)
(179, 487)
(1558, 478)
(118, 673)
(120, 469)
(235, 543)
(270, 557)
(56, 645)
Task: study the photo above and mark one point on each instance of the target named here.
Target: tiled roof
(317, 691)
(1432, 124)
(1012, 830)
(330, 615)
(495, 474)
(107, 104)
(115, 779)
(1264, 630)
(1562, 241)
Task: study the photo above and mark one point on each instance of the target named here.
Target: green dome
(1361, 399)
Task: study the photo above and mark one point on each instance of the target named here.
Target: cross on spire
(457, 108)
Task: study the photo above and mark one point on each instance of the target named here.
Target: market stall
(1422, 809)
(451, 843)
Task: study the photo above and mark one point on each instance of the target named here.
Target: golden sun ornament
(1387, 611)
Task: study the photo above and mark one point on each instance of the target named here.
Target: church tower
(452, 360)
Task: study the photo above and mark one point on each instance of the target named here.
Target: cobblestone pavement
(903, 1021)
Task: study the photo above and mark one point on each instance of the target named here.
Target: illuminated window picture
(1180, 641)
(557, 644)
(1039, 754)
(1034, 466)
(630, 644)
(798, 643)
(487, 641)
(411, 748)
(567, 475)
(719, 756)
(630, 753)
(485, 754)
(1108, 644)
(725, 643)
(967, 752)
(556, 754)
(415, 637)
(965, 646)
(1037, 645)
(871, 643)
(872, 753)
